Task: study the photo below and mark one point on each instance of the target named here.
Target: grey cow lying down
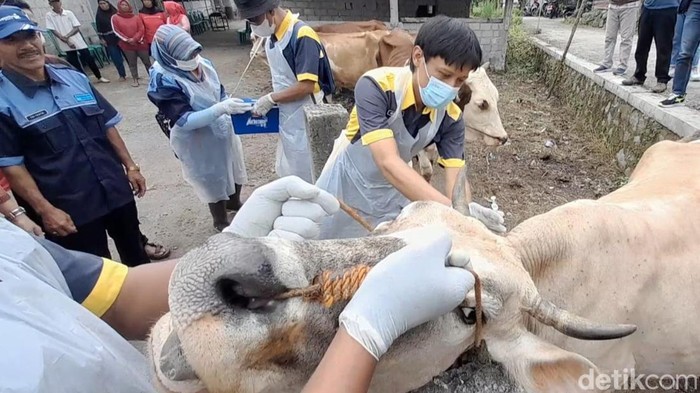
(601, 285)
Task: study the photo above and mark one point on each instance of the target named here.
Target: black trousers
(659, 26)
(86, 58)
(122, 225)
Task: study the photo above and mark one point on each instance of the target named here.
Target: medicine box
(246, 123)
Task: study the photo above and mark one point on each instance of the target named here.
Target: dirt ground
(525, 176)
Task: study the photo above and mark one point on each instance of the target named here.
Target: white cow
(630, 259)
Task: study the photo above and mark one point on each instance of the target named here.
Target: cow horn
(573, 325)
(459, 193)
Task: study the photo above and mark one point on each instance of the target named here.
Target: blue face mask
(437, 94)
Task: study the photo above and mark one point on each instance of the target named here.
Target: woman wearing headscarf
(152, 17)
(188, 93)
(103, 24)
(177, 15)
(130, 30)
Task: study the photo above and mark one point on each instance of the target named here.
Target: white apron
(211, 157)
(49, 342)
(293, 152)
(355, 179)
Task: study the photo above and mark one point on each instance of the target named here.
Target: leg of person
(234, 201)
(695, 71)
(218, 215)
(123, 227)
(145, 59)
(628, 26)
(677, 34)
(641, 54)
(86, 58)
(90, 238)
(689, 47)
(133, 69)
(72, 58)
(664, 26)
(116, 55)
(612, 26)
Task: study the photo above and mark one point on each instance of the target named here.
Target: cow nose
(503, 140)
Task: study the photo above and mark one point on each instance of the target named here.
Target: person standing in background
(153, 17)
(103, 25)
(677, 38)
(656, 23)
(130, 30)
(66, 28)
(622, 19)
(176, 15)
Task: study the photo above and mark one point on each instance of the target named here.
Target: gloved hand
(288, 207)
(234, 106)
(493, 219)
(406, 289)
(263, 105)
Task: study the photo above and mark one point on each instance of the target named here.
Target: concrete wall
(628, 122)
(331, 10)
(84, 10)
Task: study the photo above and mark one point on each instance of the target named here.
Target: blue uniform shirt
(58, 130)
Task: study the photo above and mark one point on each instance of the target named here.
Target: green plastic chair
(54, 41)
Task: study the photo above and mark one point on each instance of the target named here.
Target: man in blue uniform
(60, 150)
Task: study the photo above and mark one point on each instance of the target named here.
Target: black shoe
(632, 81)
(218, 215)
(619, 71)
(671, 101)
(601, 68)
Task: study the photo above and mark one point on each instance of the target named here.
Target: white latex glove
(288, 207)
(234, 106)
(493, 219)
(406, 289)
(263, 105)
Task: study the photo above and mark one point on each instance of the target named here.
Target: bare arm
(138, 183)
(345, 368)
(73, 32)
(400, 175)
(297, 92)
(8, 204)
(142, 300)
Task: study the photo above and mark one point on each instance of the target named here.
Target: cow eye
(484, 105)
(469, 316)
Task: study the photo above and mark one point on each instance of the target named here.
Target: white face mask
(265, 29)
(188, 65)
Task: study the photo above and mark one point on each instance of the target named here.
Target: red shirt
(4, 184)
(129, 27)
(151, 23)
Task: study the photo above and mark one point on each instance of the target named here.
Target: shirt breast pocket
(94, 120)
(50, 136)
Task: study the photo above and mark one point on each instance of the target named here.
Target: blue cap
(13, 19)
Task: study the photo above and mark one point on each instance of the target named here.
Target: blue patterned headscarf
(172, 43)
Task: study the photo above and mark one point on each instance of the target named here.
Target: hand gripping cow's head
(225, 332)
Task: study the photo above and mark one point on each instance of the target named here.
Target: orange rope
(328, 289)
(355, 216)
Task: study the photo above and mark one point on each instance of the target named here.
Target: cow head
(478, 98)
(225, 330)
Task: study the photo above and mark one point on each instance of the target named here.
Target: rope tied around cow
(328, 289)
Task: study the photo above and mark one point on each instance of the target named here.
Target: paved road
(589, 44)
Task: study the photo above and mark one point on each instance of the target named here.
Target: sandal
(160, 251)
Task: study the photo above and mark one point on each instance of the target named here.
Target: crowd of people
(674, 28)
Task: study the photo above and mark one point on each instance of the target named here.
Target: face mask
(437, 94)
(188, 65)
(265, 29)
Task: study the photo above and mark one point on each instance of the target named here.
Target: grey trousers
(622, 21)
(131, 57)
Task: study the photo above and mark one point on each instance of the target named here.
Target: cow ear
(486, 65)
(463, 96)
(539, 366)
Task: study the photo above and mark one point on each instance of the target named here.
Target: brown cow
(351, 27)
(352, 54)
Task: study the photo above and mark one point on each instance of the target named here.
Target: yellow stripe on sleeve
(307, 77)
(107, 288)
(307, 31)
(451, 162)
(453, 111)
(377, 135)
